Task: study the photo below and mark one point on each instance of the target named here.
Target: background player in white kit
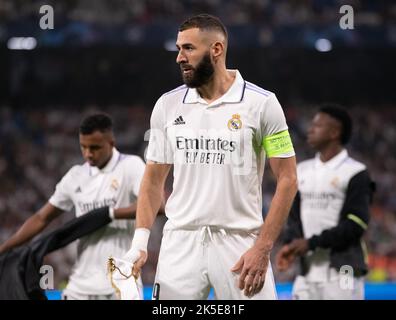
(214, 236)
(329, 215)
(108, 179)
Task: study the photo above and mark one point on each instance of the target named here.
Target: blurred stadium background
(118, 56)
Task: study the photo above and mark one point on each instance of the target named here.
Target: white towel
(122, 279)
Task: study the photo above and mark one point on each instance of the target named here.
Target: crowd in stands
(281, 12)
(272, 19)
(37, 147)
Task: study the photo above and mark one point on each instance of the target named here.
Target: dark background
(118, 56)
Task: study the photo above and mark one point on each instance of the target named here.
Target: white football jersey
(323, 187)
(86, 188)
(217, 152)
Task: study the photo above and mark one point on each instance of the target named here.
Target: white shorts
(71, 295)
(191, 262)
(68, 294)
(332, 289)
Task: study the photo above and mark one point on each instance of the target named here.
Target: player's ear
(111, 139)
(336, 133)
(217, 49)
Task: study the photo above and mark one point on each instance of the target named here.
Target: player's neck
(106, 162)
(218, 86)
(330, 152)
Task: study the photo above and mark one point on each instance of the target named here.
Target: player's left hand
(284, 258)
(252, 267)
(299, 246)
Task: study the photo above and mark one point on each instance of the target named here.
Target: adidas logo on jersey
(78, 190)
(179, 120)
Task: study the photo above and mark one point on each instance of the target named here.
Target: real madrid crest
(335, 182)
(114, 185)
(235, 122)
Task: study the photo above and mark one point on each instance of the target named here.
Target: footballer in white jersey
(330, 214)
(216, 131)
(108, 179)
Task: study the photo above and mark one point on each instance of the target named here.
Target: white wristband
(111, 213)
(140, 239)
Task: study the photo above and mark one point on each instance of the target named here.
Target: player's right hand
(137, 258)
(138, 265)
(284, 258)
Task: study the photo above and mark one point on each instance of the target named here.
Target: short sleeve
(138, 172)
(275, 136)
(62, 195)
(159, 147)
(272, 117)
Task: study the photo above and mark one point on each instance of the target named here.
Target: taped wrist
(111, 213)
(140, 239)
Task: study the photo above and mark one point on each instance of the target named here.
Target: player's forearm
(126, 213)
(130, 212)
(279, 210)
(149, 203)
(26, 232)
(151, 194)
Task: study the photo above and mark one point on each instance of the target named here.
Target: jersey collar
(109, 166)
(333, 162)
(234, 94)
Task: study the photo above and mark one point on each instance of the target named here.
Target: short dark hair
(342, 116)
(96, 122)
(204, 22)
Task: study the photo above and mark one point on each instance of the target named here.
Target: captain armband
(278, 144)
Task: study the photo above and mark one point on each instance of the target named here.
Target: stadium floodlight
(21, 43)
(170, 45)
(323, 45)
